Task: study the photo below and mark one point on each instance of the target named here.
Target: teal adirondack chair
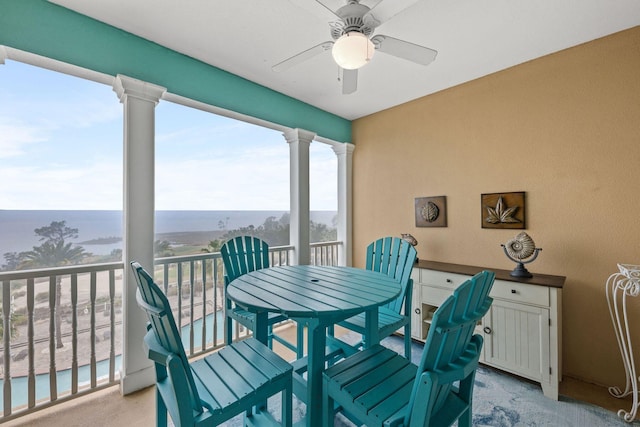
(209, 391)
(378, 387)
(394, 257)
(242, 255)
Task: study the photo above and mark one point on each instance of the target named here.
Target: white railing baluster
(92, 328)
(165, 277)
(216, 288)
(179, 287)
(6, 335)
(53, 380)
(74, 334)
(31, 373)
(191, 306)
(112, 326)
(203, 337)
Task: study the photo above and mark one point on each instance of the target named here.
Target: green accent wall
(46, 29)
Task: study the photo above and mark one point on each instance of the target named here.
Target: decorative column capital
(125, 86)
(343, 148)
(3, 54)
(298, 135)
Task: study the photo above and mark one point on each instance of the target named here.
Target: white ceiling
(473, 38)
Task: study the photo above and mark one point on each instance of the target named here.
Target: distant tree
(13, 260)
(56, 232)
(276, 231)
(55, 252)
(223, 224)
(116, 255)
(213, 246)
(162, 248)
(50, 254)
(320, 232)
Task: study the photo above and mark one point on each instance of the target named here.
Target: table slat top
(312, 291)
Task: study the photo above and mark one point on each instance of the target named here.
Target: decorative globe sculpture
(521, 250)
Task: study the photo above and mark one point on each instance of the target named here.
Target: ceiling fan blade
(349, 81)
(331, 5)
(405, 50)
(385, 10)
(324, 9)
(302, 56)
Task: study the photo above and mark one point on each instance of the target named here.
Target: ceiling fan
(353, 41)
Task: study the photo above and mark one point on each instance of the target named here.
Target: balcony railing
(60, 337)
(65, 324)
(194, 285)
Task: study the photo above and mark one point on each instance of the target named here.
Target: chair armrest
(154, 350)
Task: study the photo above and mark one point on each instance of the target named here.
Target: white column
(139, 100)
(299, 141)
(344, 152)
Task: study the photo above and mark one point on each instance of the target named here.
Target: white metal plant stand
(619, 287)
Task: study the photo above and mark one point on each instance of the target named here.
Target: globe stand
(621, 286)
(520, 270)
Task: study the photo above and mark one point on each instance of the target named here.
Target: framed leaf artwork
(503, 210)
(431, 211)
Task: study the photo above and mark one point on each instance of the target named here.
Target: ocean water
(17, 226)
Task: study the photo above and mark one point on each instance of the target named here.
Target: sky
(61, 148)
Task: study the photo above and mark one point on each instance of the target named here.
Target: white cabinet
(522, 330)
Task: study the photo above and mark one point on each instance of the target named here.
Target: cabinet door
(416, 306)
(517, 339)
(416, 313)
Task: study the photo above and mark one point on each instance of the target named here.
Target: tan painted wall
(565, 129)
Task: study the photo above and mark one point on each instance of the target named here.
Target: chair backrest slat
(451, 331)
(153, 301)
(242, 255)
(394, 257)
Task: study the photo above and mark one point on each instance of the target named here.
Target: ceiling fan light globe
(352, 50)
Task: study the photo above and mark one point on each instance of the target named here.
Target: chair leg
(270, 337)
(161, 411)
(228, 336)
(407, 342)
(287, 406)
(328, 413)
(465, 392)
(300, 340)
(465, 419)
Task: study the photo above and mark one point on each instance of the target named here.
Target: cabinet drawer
(434, 296)
(521, 293)
(442, 279)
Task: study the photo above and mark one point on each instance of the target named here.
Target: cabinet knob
(449, 281)
(487, 330)
(417, 310)
(513, 291)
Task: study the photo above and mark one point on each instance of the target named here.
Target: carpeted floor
(501, 400)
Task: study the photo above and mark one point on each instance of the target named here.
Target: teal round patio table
(320, 296)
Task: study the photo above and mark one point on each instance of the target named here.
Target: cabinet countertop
(470, 270)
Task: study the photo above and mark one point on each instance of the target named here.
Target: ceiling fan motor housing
(351, 16)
